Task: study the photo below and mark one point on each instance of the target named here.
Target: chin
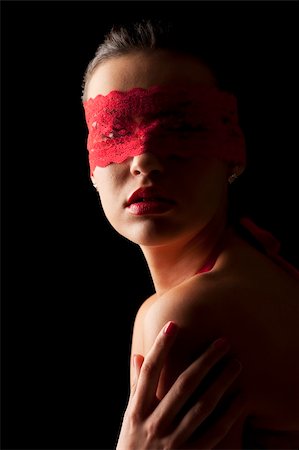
(153, 234)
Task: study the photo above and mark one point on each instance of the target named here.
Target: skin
(244, 291)
(158, 425)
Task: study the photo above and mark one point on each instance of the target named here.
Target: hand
(152, 424)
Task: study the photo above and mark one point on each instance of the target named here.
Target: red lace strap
(212, 258)
(208, 265)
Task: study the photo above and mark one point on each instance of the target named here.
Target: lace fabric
(171, 119)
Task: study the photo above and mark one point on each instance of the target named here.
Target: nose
(145, 164)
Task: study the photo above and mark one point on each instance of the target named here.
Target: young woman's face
(186, 193)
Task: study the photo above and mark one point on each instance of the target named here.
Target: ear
(93, 182)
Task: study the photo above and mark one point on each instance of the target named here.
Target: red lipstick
(148, 200)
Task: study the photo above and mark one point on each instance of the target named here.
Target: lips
(148, 200)
(147, 194)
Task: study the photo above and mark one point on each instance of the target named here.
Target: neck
(173, 263)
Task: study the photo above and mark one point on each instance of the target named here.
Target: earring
(95, 186)
(232, 178)
(234, 175)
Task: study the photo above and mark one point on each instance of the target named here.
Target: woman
(164, 145)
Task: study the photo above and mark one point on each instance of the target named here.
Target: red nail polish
(170, 329)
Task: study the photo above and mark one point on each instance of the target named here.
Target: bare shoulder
(255, 305)
(202, 307)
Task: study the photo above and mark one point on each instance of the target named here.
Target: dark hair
(153, 34)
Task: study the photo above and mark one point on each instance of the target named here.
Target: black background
(68, 300)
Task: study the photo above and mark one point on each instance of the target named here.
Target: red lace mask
(184, 121)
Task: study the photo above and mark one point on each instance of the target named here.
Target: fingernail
(221, 344)
(170, 329)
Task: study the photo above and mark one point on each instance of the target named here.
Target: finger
(138, 361)
(145, 393)
(189, 381)
(221, 427)
(207, 402)
(137, 364)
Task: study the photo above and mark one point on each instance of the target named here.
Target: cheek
(110, 198)
(204, 187)
(113, 195)
(106, 202)
(108, 189)
(215, 187)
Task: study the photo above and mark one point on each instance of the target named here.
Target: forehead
(144, 69)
